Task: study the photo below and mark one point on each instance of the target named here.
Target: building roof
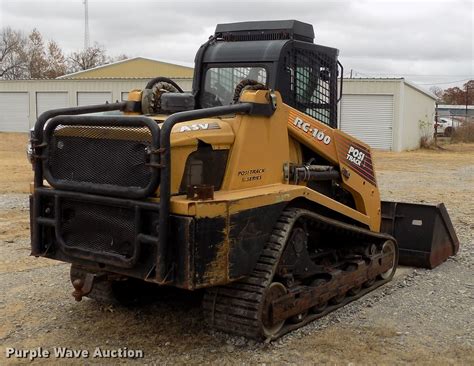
(136, 67)
(409, 83)
(455, 106)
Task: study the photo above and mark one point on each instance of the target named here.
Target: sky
(429, 42)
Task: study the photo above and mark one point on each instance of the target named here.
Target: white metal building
(387, 114)
(22, 101)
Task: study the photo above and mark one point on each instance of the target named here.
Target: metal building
(387, 114)
(461, 112)
(136, 67)
(22, 101)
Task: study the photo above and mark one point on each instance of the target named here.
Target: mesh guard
(115, 156)
(104, 233)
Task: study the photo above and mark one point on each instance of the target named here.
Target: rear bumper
(103, 233)
(118, 235)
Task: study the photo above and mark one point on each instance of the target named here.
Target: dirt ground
(422, 316)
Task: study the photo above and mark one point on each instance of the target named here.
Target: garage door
(90, 98)
(368, 118)
(46, 101)
(14, 112)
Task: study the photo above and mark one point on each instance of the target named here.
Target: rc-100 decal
(315, 132)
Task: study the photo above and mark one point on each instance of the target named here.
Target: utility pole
(467, 101)
(86, 24)
(436, 125)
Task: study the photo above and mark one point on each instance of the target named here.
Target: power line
(375, 75)
(421, 75)
(447, 82)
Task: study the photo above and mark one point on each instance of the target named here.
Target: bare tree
(12, 54)
(91, 57)
(28, 57)
(120, 57)
(36, 55)
(437, 91)
(56, 62)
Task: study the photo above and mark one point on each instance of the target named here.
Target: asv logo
(200, 126)
(316, 133)
(355, 156)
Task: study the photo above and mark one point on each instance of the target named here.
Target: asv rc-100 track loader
(244, 188)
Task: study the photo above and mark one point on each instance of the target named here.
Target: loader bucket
(424, 233)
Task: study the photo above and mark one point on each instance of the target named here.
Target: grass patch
(463, 133)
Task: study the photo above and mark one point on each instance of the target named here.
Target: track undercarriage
(311, 266)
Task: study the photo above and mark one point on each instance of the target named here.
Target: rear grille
(257, 36)
(105, 155)
(98, 229)
(80, 154)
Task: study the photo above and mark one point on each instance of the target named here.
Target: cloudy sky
(426, 41)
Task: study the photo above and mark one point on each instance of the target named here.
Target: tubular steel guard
(160, 143)
(135, 212)
(37, 140)
(109, 189)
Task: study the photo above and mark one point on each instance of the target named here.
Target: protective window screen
(204, 166)
(220, 83)
(310, 84)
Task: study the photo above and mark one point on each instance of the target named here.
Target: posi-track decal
(317, 134)
(199, 126)
(356, 156)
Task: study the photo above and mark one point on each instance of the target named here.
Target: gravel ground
(421, 317)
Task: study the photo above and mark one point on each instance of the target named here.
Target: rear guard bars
(164, 162)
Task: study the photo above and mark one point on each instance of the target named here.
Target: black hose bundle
(151, 96)
(247, 84)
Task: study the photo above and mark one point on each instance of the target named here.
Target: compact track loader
(244, 188)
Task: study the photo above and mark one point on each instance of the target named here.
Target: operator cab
(278, 54)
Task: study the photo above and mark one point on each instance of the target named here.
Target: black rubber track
(237, 308)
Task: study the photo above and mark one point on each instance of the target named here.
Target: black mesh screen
(98, 228)
(106, 156)
(311, 89)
